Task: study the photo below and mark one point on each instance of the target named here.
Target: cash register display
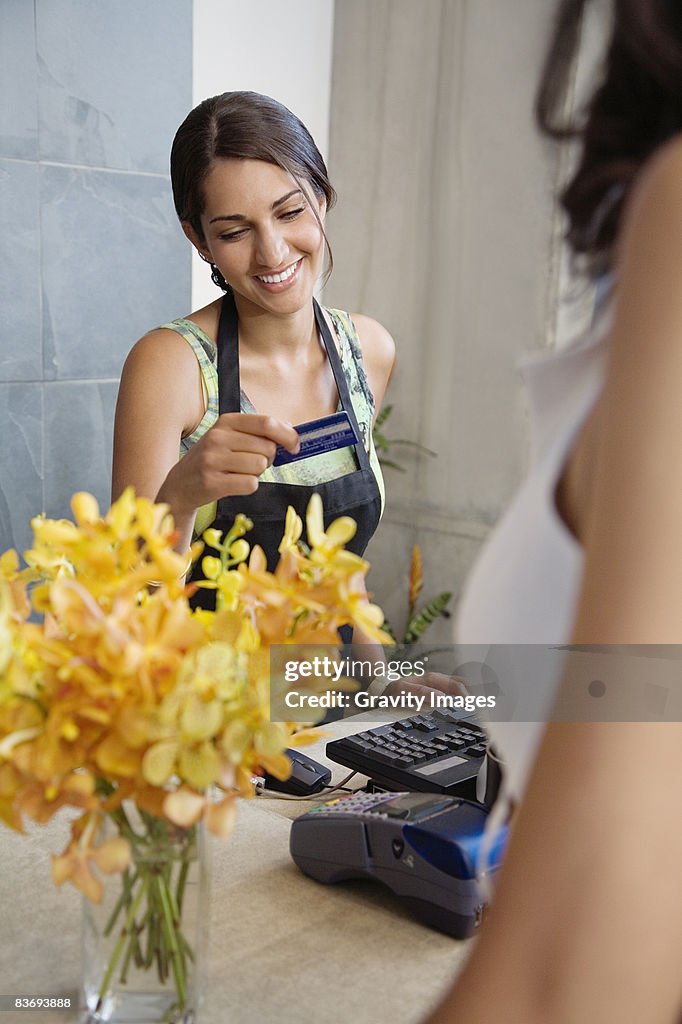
(415, 806)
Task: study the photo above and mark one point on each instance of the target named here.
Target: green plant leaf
(413, 444)
(420, 622)
(381, 443)
(382, 417)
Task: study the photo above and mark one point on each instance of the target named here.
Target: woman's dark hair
(636, 107)
(242, 125)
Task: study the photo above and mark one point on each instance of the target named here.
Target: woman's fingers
(238, 483)
(453, 685)
(261, 427)
(231, 456)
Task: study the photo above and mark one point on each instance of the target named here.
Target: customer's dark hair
(636, 107)
(242, 125)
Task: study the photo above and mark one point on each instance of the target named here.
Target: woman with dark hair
(205, 401)
(587, 919)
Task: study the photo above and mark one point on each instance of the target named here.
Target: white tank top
(524, 587)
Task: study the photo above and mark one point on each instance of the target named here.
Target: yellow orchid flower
(212, 537)
(239, 551)
(74, 864)
(361, 612)
(339, 532)
(85, 508)
(211, 567)
(293, 528)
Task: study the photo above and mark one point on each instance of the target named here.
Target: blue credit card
(318, 436)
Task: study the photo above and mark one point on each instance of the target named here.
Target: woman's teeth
(276, 278)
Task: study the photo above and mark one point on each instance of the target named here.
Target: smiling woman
(205, 400)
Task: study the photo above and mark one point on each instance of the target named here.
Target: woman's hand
(228, 460)
(424, 685)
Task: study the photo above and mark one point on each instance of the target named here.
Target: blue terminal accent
(451, 841)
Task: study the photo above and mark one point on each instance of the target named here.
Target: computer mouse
(307, 776)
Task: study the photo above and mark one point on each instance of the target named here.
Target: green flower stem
(152, 938)
(180, 889)
(170, 929)
(123, 976)
(118, 948)
(139, 959)
(124, 899)
(146, 920)
(186, 948)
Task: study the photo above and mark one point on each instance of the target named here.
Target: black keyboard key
(357, 743)
(447, 716)
(387, 756)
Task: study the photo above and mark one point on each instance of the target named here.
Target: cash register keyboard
(440, 752)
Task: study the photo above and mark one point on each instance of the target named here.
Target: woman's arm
(587, 921)
(159, 402)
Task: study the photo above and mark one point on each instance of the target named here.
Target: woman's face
(262, 233)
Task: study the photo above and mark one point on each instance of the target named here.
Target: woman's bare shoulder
(377, 343)
(653, 213)
(378, 354)
(648, 256)
(162, 353)
(165, 343)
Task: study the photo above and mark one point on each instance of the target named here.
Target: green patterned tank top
(318, 468)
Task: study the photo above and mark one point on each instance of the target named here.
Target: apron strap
(229, 397)
(341, 384)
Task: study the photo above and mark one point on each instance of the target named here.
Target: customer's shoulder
(656, 196)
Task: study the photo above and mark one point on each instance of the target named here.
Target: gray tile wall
(91, 255)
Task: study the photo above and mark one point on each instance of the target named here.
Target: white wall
(444, 233)
(281, 49)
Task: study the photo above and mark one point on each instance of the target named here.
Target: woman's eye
(290, 214)
(232, 236)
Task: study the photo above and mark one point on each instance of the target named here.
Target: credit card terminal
(423, 846)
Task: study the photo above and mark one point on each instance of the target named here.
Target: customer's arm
(587, 921)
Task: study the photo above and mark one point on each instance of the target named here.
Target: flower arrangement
(123, 696)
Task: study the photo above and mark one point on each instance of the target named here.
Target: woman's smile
(280, 280)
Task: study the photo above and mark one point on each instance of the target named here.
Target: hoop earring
(216, 276)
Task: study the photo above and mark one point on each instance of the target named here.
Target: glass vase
(143, 943)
